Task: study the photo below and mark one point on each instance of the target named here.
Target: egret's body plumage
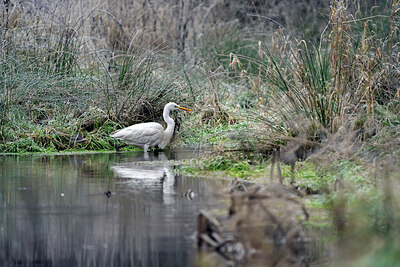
(150, 134)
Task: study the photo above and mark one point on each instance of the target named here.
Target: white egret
(150, 134)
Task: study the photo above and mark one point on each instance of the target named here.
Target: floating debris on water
(189, 194)
(23, 188)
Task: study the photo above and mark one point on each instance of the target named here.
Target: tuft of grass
(310, 90)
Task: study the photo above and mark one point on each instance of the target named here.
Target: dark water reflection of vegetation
(53, 210)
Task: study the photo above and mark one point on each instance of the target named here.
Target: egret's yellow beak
(184, 108)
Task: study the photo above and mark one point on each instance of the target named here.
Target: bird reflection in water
(151, 173)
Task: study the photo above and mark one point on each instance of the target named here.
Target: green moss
(223, 166)
(209, 134)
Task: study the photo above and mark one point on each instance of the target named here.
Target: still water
(54, 210)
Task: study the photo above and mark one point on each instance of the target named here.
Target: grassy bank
(62, 90)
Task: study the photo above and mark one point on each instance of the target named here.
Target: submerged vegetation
(326, 89)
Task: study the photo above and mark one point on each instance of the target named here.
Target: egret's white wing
(141, 134)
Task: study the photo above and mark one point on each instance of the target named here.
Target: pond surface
(54, 210)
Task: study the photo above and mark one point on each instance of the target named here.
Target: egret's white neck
(170, 123)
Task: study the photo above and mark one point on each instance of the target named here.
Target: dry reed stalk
(340, 47)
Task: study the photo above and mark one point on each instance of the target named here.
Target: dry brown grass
(317, 89)
(176, 24)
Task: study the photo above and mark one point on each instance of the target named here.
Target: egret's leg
(145, 148)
